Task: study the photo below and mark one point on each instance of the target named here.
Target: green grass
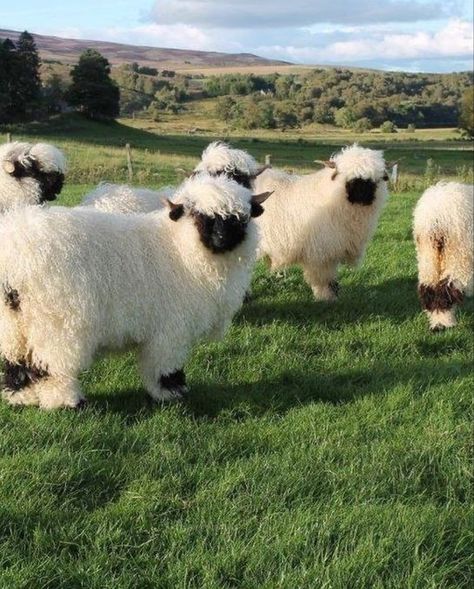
(322, 446)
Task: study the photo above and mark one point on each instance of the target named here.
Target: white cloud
(249, 14)
(455, 40)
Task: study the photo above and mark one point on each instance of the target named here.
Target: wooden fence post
(129, 161)
(394, 176)
(9, 137)
(268, 160)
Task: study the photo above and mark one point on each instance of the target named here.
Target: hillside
(68, 50)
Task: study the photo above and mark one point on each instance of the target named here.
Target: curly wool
(443, 233)
(309, 220)
(86, 280)
(220, 157)
(121, 198)
(16, 192)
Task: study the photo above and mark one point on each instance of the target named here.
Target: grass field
(322, 446)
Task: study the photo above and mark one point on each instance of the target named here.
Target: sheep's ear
(9, 167)
(176, 210)
(256, 203)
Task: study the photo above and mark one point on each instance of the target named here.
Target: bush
(388, 127)
(362, 125)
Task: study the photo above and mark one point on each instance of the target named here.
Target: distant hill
(67, 51)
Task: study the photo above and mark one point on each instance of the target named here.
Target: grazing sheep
(443, 231)
(30, 174)
(323, 219)
(121, 198)
(76, 281)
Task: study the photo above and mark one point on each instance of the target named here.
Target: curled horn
(328, 164)
(260, 171)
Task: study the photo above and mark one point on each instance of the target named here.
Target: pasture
(322, 445)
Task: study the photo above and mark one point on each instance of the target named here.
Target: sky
(409, 35)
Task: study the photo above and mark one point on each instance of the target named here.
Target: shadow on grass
(291, 389)
(395, 298)
(276, 396)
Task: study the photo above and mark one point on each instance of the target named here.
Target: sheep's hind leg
(16, 385)
(323, 282)
(55, 392)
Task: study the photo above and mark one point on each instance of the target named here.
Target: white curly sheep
(324, 219)
(76, 281)
(443, 232)
(30, 174)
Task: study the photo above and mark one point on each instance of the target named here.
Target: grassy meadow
(322, 445)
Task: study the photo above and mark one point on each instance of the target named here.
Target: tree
(92, 90)
(344, 117)
(466, 120)
(7, 60)
(362, 125)
(28, 83)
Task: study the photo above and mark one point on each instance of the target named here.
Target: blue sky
(413, 35)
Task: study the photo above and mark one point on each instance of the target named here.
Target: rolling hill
(67, 51)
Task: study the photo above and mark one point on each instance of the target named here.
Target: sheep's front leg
(323, 281)
(16, 381)
(55, 392)
(163, 374)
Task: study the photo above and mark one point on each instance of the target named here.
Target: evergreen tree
(7, 67)
(92, 90)
(27, 76)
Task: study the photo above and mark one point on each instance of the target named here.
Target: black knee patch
(361, 191)
(11, 297)
(174, 380)
(19, 376)
(440, 297)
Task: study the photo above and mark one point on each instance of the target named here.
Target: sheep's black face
(361, 191)
(220, 234)
(50, 183)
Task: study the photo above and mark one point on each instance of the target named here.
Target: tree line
(24, 97)
(351, 99)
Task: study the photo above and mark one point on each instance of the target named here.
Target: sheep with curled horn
(30, 174)
(77, 281)
(321, 220)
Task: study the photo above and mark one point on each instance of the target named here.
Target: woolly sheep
(30, 174)
(443, 232)
(77, 281)
(217, 159)
(121, 198)
(321, 220)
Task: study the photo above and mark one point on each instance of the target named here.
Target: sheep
(121, 198)
(217, 159)
(220, 158)
(30, 174)
(443, 233)
(321, 220)
(77, 281)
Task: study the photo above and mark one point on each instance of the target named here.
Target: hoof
(247, 297)
(438, 328)
(81, 405)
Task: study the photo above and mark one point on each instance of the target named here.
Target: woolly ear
(256, 203)
(19, 168)
(9, 167)
(176, 210)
